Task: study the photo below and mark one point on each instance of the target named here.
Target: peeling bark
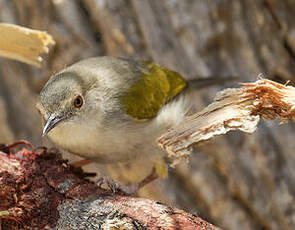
(232, 109)
(40, 190)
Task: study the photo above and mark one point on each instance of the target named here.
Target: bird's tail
(200, 83)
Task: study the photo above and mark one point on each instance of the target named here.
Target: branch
(38, 190)
(23, 44)
(232, 109)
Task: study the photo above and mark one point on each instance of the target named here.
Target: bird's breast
(104, 145)
(121, 142)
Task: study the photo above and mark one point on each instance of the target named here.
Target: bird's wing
(155, 87)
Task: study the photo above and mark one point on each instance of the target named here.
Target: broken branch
(232, 109)
(24, 44)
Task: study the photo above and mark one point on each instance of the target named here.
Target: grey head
(87, 87)
(61, 99)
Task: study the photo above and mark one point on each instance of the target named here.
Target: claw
(116, 187)
(126, 189)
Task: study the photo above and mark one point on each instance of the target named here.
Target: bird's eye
(78, 101)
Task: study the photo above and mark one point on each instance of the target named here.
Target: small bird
(112, 110)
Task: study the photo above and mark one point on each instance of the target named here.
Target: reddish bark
(39, 189)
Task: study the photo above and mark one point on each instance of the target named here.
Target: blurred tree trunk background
(236, 182)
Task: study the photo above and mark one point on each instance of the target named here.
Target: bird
(109, 110)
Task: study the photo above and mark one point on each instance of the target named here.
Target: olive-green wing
(155, 87)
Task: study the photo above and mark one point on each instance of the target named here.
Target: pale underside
(122, 143)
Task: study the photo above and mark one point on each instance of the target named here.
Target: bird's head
(61, 100)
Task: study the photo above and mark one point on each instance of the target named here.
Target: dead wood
(232, 109)
(40, 190)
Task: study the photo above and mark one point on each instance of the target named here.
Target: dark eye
(78, 101)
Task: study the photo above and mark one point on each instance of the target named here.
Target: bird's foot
(126, 189)
(116, 187)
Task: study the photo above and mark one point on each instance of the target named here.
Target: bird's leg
(81, 163)
(150, 178)
(127, 189)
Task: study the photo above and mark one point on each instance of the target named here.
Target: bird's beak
(50, 123)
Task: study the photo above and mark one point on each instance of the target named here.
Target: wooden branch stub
(232, 109)
(24, 44)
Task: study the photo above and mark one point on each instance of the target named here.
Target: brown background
(236, 182)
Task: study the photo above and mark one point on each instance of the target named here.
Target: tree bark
(39, 190)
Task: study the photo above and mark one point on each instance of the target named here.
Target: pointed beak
(50, 123)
